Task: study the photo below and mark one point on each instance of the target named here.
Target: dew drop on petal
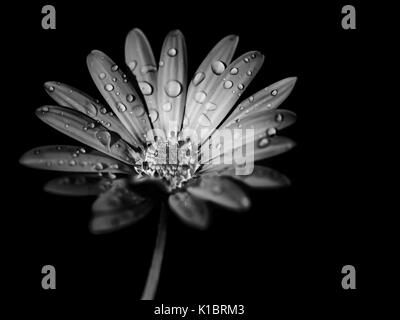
(121, 107)
(51, 88)
(234, 71)
(211, 106)
(132, 65)
(274, 92)
(199, 77)
(130, 97)
(246, 60)
(167, 106)
(279, 117)
(173, 88)
(200, 96)
(104, 137)
(103, 110)
(91, 109)
(263, 142)
(240, 86)
(138, 111)
(45, 109)
(228, 84)
(218, 67)
(271, 132)
(146, 88)
(249, 73)
(251, 99)
(161, 64)
(114, 68)
(172, 52)
(204, 120)
(102, 76)
(153, 114)
(72, 162)
(109, 87)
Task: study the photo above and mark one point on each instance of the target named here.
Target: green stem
(154, 273)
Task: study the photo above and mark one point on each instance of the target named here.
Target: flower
(184, 138)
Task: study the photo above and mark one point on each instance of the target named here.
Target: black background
(288, 251)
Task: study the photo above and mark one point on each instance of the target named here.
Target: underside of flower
(174, 162)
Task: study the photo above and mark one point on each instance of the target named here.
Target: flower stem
(154, 273)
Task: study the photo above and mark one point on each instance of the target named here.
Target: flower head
(189, 138)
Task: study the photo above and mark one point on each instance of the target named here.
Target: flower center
(173, 161)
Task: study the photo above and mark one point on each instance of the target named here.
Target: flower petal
(72, 159)
(191, 210)
(172, 82)
(259, 177)
(84, 129)
(236, 134)
(266, 99)
(140, 59)
(120, 95)
(263, 148)
(225, 93)
(222, 192)
(209, 73)
(72, 98)
(118, 208)
(78, 185)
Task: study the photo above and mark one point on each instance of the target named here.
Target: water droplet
(172, 52)
(132, 65)
(249, 73)
(104, 137)
(253, 56)
(153, 114)
(103, 110)
(274, 92)
(114, 68)
(66, 125)
(161, 64)
(98, 166)
(91, 109)
(60, 162)
(251, 99)
(240, 86)
(147, 69)
(271, 132)
(228, 84)
(109, 87)
(59, 148)
(200, 96)
(246, 60)
(114, 79)
(130, 97)
(102, 76)
(167, 107)
(45, 109)
(211, 106)
(91, 125)
(82, 150)
(263, 142)
(146, 88)
(199, 77)
(234, 71)
(117, 93)
(218, 67)
(173, 88)
(204, 120)
(51, 88)
(72, 162)
(121, 107)
(138, 111)
(279, 117)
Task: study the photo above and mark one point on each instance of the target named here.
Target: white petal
(192, 211)
(70, 97)
(120, 95)
(208, 74)
(172, 82)
(225, 93)
(140, 59)
(84, 129)
(222, 192)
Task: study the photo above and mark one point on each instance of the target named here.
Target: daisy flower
(160, 134)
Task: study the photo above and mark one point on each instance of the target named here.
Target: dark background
(288, 251)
